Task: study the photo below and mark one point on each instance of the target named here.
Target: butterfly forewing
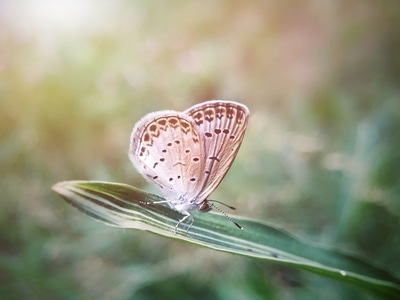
(167, 150)
(221, 126)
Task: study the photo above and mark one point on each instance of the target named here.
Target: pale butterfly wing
(166, 148)
(187, 154)
(221, 126)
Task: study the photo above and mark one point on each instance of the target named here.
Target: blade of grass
(124, 206)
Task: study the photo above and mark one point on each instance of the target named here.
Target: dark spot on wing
(214, 158)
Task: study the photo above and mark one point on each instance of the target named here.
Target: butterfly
(187, 154)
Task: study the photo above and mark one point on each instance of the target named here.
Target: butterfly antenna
(222, 203)
(224, 213)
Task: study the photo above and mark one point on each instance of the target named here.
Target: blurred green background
(321, 156)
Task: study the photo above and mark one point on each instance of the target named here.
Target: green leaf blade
(124, 206)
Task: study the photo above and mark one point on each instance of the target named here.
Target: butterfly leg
(153, 202)
(188, 216)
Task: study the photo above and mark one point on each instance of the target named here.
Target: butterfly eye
(205, 206)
